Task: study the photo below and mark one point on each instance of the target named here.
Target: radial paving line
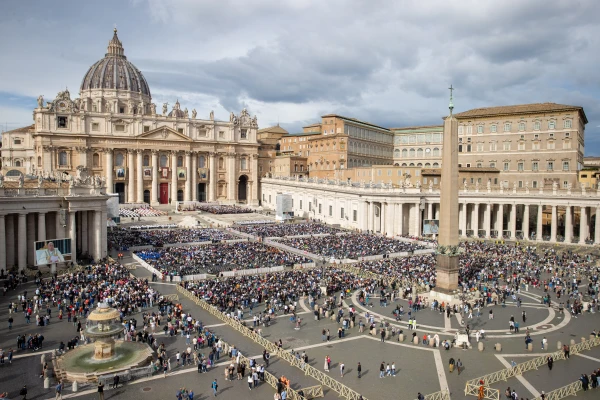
(535, 363)
(341, 389)
(520, 378)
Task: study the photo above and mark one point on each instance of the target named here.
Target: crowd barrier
(254, 271)
(195, 277)
(343, 390)
(292, 249)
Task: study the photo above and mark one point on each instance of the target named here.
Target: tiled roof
(519, 109)
(438, 171)
(21, 129)
(411, 128)
(358, 121)
(274, 129)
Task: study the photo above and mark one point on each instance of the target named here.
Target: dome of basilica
(115, 72)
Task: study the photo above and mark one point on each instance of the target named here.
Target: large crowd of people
(281, 230)
(124, 238)
(212, 259)
(351, 246)
(223, 209)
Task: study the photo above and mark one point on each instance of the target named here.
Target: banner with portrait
(182, 173)
(52, 251)
(203, 173)
(164, 172)
(431, 226)
(147, 173)
(121, 173)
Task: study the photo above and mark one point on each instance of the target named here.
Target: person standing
(250, 382)
(382, 370)
(326, 365)
(544, 343)
(459, 365)
(214, 386)
(550, 362)
(382, 335)
(23, 392)
(342, 366)
(100, 391)
(58, 390)
(359, 369)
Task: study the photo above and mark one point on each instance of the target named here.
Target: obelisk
(447, 262)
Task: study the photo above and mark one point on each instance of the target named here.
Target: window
(221, 135)
(119, 159)
(320, 208)
(521, 146)
(17, 141)
(479, 129)
(565, 165)
(479, 165)
(95, 126)
(163, 161)
(342, 212)
(506, 166)
(520, 166)
(522, 137)
(534, 184)
(404, 153)
(96, 160)
(419, 153)
(493, 146)
(479, 147)
(436, 152)
(567, 134)
(550, 166)
(520, 184)
(301, 204)
(535, 146)
(521, 126)
(551, 135)
(180, 130)
(63, 159)
(534, 166)
(146, 161)
(568, 123)
(506, 146)
(39, 161)
(536, 126)
(244, 133)
(567, 144)
(551, 145)
(565, 184)
(493, 128)
(552, 125)
(411, 153)
(202, 162)
(354, 215)
(61, 122)
(469, 130)
(468, 165)
(243, 164)
(121, 110)
(492, 165)
(146, 128)
(507, 127)
(180, 161)
(424, 181)
(460, 130)
(119, 128)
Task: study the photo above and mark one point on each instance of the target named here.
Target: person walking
(550, 362)
(382, 335)
(23, 392)
(342, 366)
(459, 365)
(58, 391)
(100, 391)
(359, 369)
(214, 386)
(382, 370)
(250, 381)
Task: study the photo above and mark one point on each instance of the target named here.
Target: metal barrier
(171, 297)
(342, 390)
(127, 376)
(570, 390)
(535, 363)
(488, 392)
(441, 395)
(313, 392)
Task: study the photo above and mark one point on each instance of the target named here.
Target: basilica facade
(113, 130)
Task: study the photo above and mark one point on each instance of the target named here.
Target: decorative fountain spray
(105, 356)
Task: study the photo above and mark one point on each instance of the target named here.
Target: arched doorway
(242, 188)
(147, 196)
(201, 192)
(179, 195)
(120, 190)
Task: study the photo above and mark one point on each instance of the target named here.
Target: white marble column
(597, 227)
(554, 226)
(212, 172)
(583, 225)
(73, 235)
(194, 176)
(255, 180)
(2, 244)
(568, 224)
(539, 226)
(232, 181)
(173, 177)
(475, 221)
(11, 240)
(22, 250)
(154, 189)
(371, 217)
(418, 219)
(187, 194)
(400, 219)
(103, 232)
(383, 215)
(513, 221)
(462, 218)
(90, 231)
(525, 223)
(109, 171)
(83, 235)
(437, 211)
(391, 219)
(429, 211)
(487, 220)
(130, 177)
(41, 228)
(139, 175)
(30, 238)
(500, 220)
(97, 246)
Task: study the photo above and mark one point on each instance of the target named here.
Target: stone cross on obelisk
(447, 264)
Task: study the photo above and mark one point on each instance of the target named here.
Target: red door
(164, 193)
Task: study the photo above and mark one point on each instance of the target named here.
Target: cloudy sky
(387, 62)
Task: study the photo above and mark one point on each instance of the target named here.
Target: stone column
(2, 244)
(583, 225)
(597, 227)
(500, 220)
(475, 221)
(130, 177)
(418, 219)
(212, 172)
(154, 189)
(187, 194)
(109, 171)
(554, 225)
(194, 175)
(11, 240)
(437, 211)
(59, 231)
(97, 248)
(400, 219)
(139, 175)
(30, 238)
(22, 250)
(256, 180)
(103, 232)
(568, 224)
(539, 225)
(487, 220)
(383, 215)
(83, 235)
(371, 216)
(462, 218)
(513, 221)
(525, 223)
(41, 227)
(90, 232)
(73, 235)
(232, 181)
(391, 219)
(173, 177)
(429, 211)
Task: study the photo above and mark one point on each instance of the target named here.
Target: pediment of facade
(164, 133)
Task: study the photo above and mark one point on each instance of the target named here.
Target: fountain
(105, 355)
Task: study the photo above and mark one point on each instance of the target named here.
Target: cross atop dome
(115, 47)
